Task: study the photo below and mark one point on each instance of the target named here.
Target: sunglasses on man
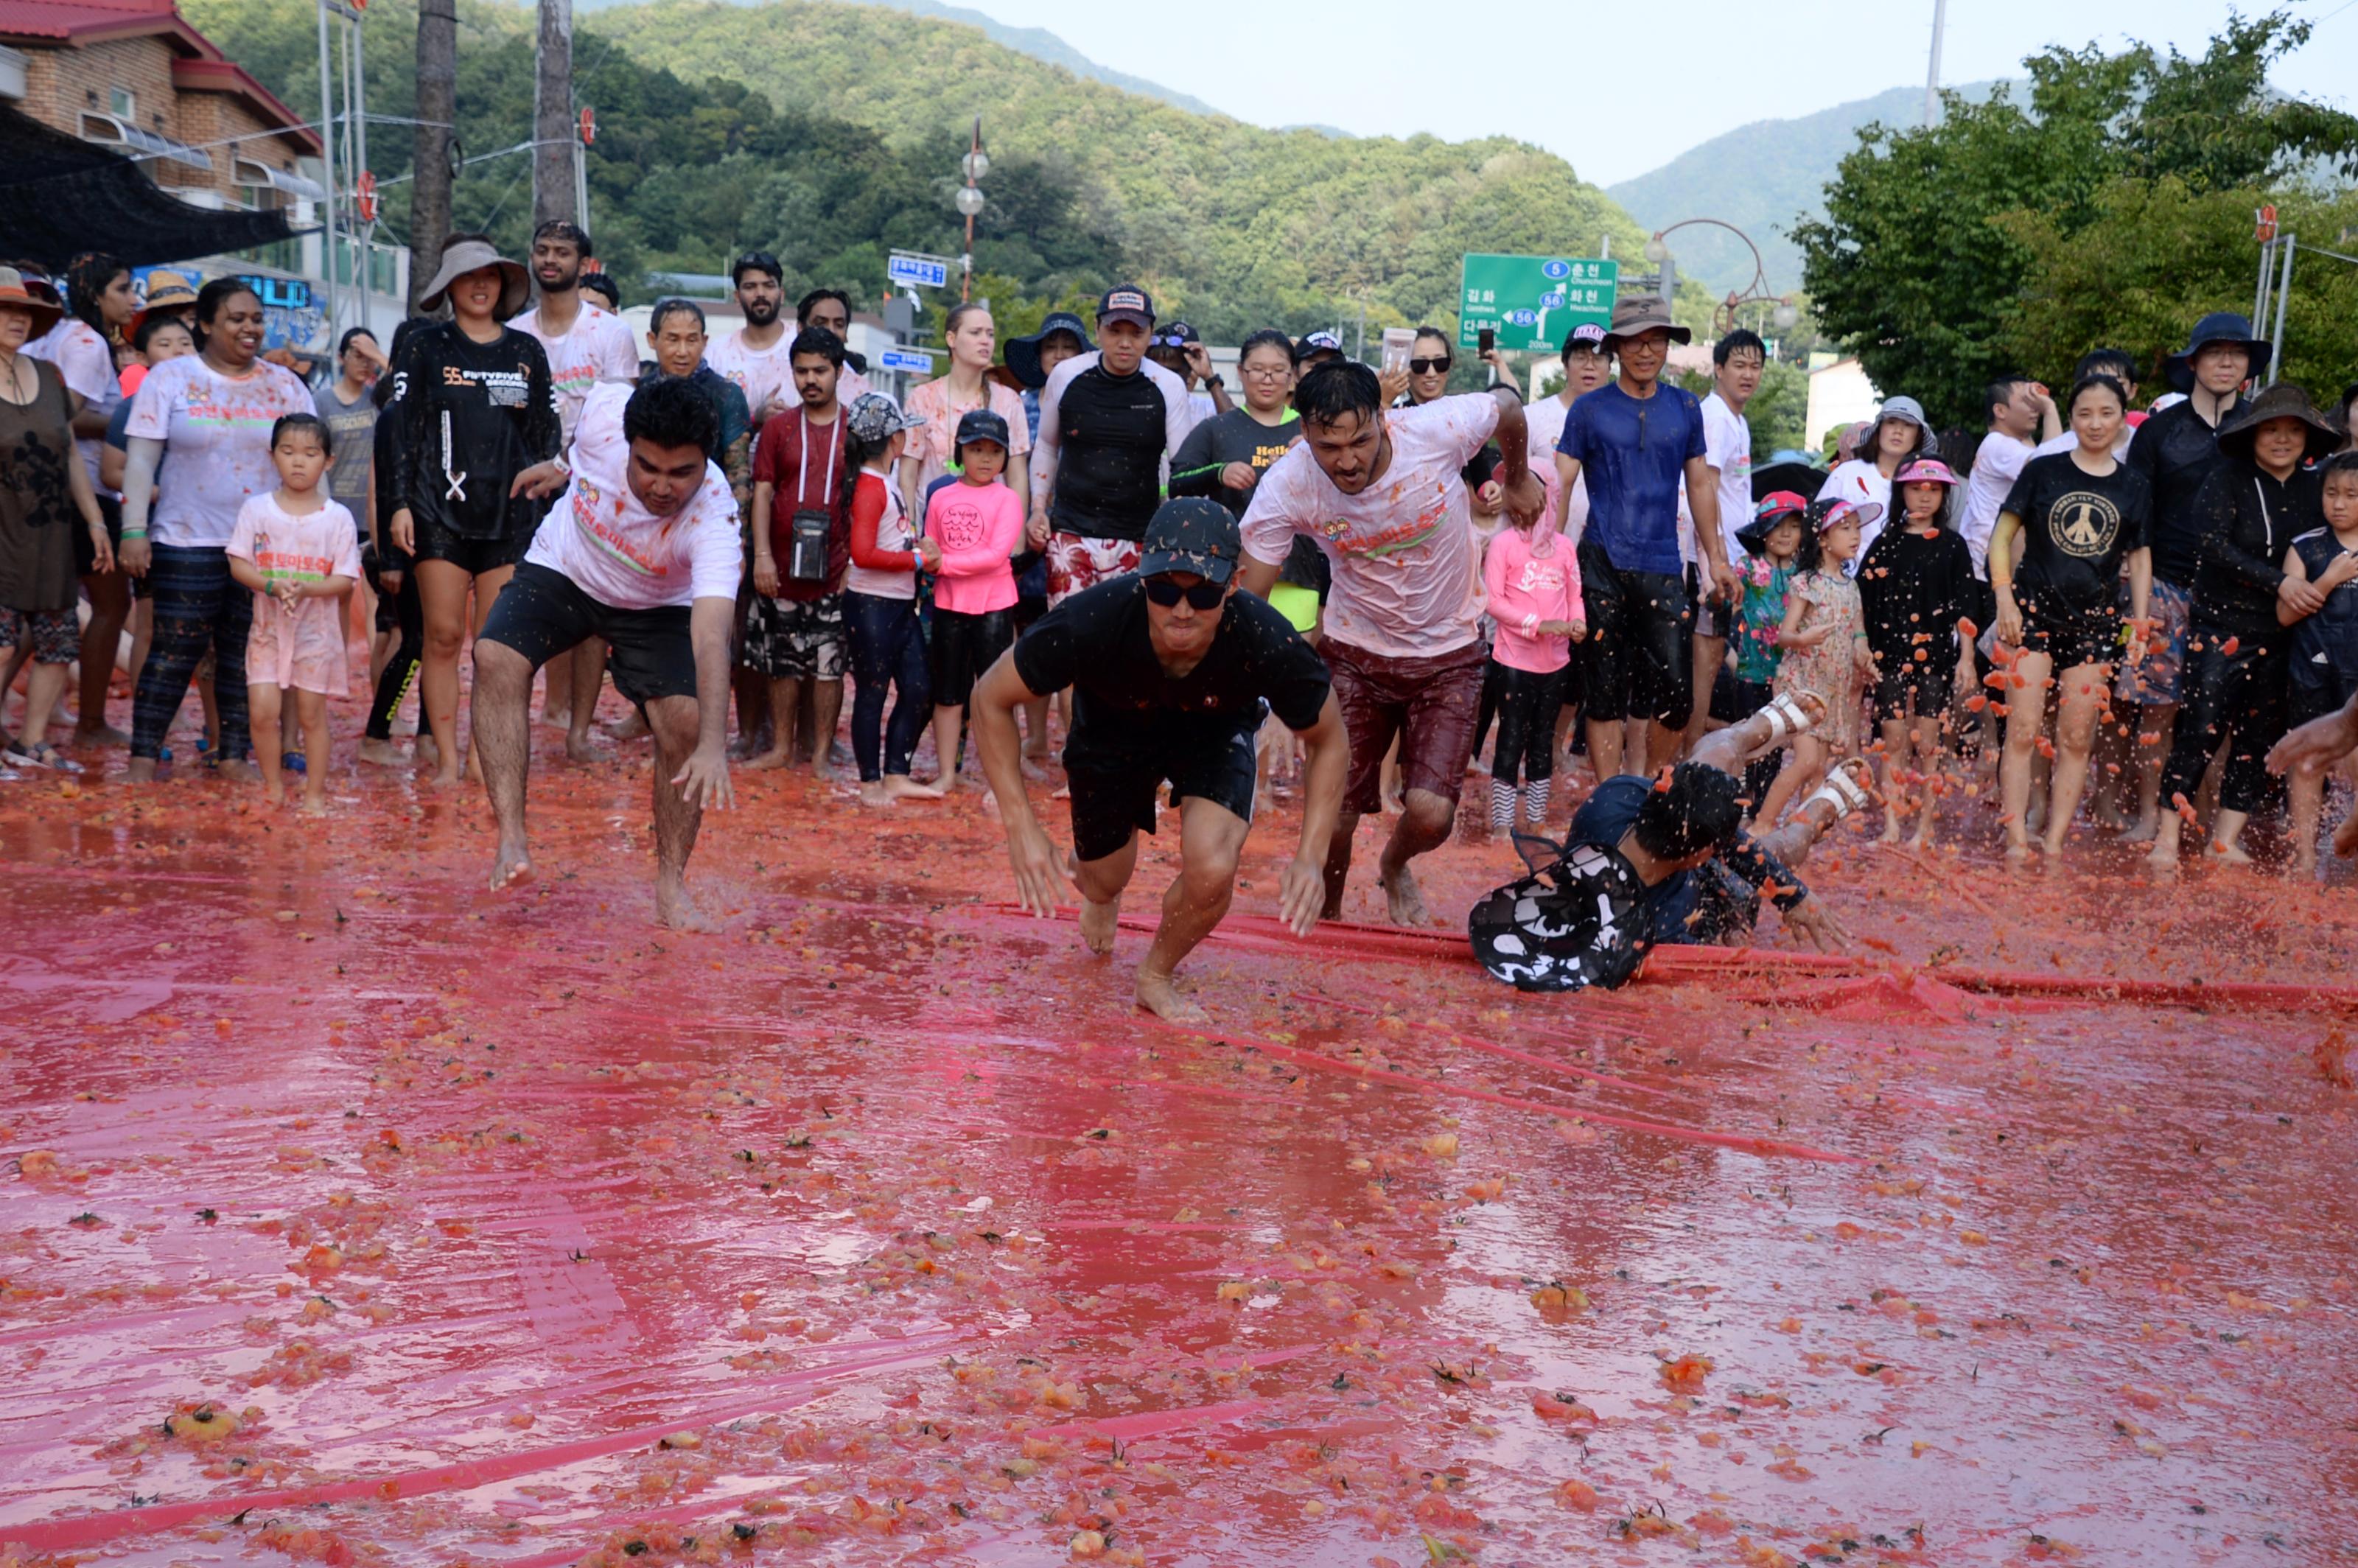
(1166, 593)
(1429, 367)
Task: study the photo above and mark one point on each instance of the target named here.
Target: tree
(552, 115)
(1917, 263)
(438, 118)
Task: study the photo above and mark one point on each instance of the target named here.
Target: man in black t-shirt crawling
(1172, 670)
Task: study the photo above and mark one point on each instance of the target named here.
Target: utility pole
(438, 118)
(553, 128)
(1932, 77)
(328, 174)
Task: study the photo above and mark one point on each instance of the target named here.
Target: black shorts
(1929, 684)
(962, 647)
(1114, 786)
(2316, 693)
(1637, 649)
(473, 557)
(2069, 635)
(1029, 608)
(542, 613)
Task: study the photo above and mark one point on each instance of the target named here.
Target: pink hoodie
(979, 526)
(1526, 588)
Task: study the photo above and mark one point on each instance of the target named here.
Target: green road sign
(1531, 302)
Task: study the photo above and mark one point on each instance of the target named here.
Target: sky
(1399, 67)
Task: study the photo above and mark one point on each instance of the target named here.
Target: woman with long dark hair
(100, 304)
(212, 410)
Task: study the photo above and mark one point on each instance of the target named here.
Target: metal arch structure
(1754, 293)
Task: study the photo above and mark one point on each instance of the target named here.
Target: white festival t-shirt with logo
(763, 376)
(597, 348)
(1997, 466)
(216, 431)
(1545, 419)
(614, 549)
(1407, 565)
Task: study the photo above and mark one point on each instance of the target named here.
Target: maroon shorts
(1431, 704)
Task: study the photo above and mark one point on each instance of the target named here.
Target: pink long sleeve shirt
(1525, 588)
(979, 526)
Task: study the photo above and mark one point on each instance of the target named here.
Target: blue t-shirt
(1633, 451)
(1666, 913)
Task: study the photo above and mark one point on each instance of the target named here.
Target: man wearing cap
(1315, 350)
(1634, 440)
(1107, 420)
(642, 551)
(2175, 451)
(753, 357)
(1171, 671)
(1380, 491)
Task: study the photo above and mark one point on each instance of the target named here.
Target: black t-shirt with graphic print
(2076, 527)
(466, 418)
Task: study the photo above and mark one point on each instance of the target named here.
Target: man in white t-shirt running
(640, 550)
(586, 345)
(1381, 493)
(1738, 361)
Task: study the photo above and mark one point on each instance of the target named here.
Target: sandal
(1786, 717)
(1843, 790)
(19, 755)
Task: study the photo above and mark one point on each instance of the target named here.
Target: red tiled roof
(201, 67)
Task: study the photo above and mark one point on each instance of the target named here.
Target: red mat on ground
(354, 1217)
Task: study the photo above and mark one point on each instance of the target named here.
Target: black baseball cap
(756, 261)
(1177, 335)
(1126, 302)
(1192, 533)
(1317, 343)
(982, 425)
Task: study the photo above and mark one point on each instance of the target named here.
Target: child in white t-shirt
(300, 553)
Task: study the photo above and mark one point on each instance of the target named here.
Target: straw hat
(44, 312)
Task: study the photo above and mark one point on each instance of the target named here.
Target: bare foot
(141, 771)
(2304, 866)
(875, 794)
(1157, 996)
(578, 748)
(1923, 839)
(100, 735)
(274, 792)
(237, 770)
(2345, 838)
(766, 762)
(2230, 854)
(1890, 829)
(1404, 899)
(675, 909)
(901, 786)
(2108, 815)
(2142, 830)
(2163, 858)
(2017, 855)
(383, 753)
(512, 868)
(445, 778)
(632, 726)
(427, 753)
(1099, 921)
(1032, 770)
(315, 803)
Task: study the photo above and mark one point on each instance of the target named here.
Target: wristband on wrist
(135, 533)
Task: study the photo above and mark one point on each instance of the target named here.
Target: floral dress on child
(1829, 668)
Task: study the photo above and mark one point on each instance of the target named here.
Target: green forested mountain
(830, 132)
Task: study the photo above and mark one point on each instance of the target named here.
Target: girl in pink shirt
(1534, 591)
(978, 522)
(299, 552)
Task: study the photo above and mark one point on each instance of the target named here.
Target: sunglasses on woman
(1429, 367)
(1164, 592)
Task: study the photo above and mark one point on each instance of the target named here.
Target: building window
(122, 103)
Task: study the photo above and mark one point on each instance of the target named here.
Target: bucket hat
(474, 255)
(1023, 354)
(2282, 401)
(1767, 513)
(1644, 313)
(2219, 327)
